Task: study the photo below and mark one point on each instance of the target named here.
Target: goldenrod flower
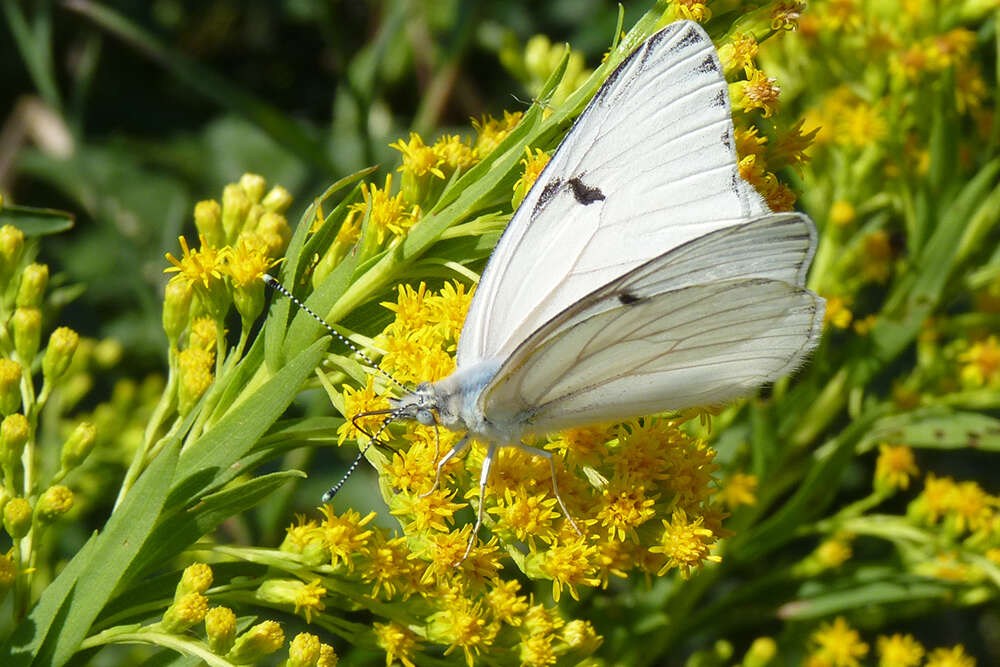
(839, 644)
(418, 158)
(186, 612)
(505, 604)
(426, 513)
(492, 131)
(686, 544)
(894, 467)
(527, 515)
(533, 165)
(624, 507)
(954, 656)
(981, 363)
(757, 92)
(220, 629)
(570, 563)
(692, 10)
(259, 641)
(838, 312)
(536, 650)
(899, 651)
(17, 514)
(463, 624)
(398, 642)
(740, 489)
(309, 599)
(196, 578)
(345, 536)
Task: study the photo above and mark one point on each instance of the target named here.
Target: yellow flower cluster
(837, 644)
(640, 491)
(239, 241)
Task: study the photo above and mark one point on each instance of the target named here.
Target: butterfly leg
(454, 451)
(534, 451)
(484, 477)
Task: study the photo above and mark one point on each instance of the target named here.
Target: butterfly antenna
(275, 285)
(332, 491)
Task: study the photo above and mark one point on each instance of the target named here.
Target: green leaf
(825, 601)
(187, 525)
(935, 428)
(52, 632)
(36, 221)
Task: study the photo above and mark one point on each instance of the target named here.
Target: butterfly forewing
(648, 166)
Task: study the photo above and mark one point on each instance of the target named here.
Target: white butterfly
(639, 275)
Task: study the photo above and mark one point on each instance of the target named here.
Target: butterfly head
(421, 405)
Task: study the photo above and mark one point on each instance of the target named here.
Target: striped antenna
(275, 285)
(332, 491)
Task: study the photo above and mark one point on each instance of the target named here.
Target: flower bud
(34, 279)
(58, 354)
(27, 325)
(277, 200)
(185, 613)
(10, 386)
(14, 432)
(220, 629)
(303, 651)
(235, 206)
(54, 502)
(177, 308)
(254, 185)
(78, 445)
(197, 578)
(195, 377)
(17, 517)
(108, 353)
(327, 656)
(11, 247)
(274, 230)
(259, 641)
(760, 653)
(208, 221)
(249, 300)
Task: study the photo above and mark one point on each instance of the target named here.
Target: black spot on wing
(687, 39)
(548, 192)
(627, 298)
(708, 65)
(727, 140)
(720, 99)
(583, 193)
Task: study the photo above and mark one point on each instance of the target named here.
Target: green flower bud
(220, 628)
(177, 308)
(254, 185)
(78, 445)
(14, 432)
(235, 206)
(303, 651)
(11, 247)
(761, 652)
(197, 578)
(34, 279)
(59, 353)
(277, 200)
(17, 517)
(108, 353)
(10, 386)
(54, 502)
(274, 230)
(27, 325)
(184, 614)
(249, 300)
(261, 640)
(208, 220)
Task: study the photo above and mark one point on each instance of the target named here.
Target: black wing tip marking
(691, 36)
(709, 64)
(583, 193)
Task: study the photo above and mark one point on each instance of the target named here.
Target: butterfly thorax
(454, 402)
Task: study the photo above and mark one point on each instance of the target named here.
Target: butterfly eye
(425, 417)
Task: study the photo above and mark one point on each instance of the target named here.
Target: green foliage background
(166, 102)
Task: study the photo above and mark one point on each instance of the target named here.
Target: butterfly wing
(703, 324)
(648, 165)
